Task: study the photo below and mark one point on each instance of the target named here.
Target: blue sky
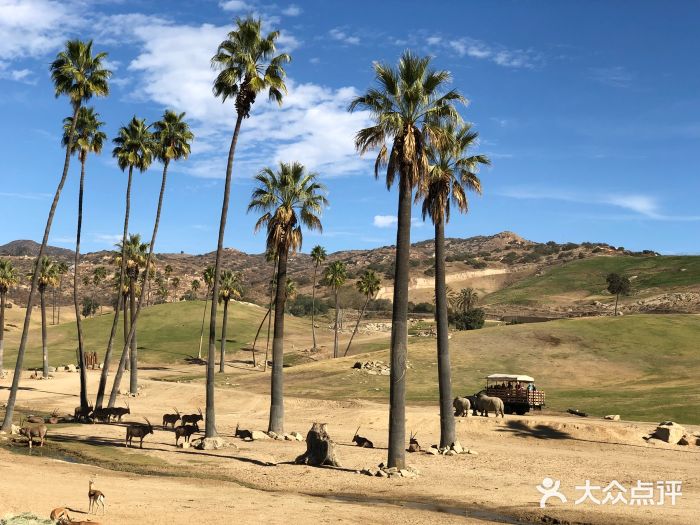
(589, 110)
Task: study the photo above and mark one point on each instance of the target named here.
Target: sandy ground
(256, 481)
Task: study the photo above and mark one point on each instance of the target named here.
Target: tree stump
(320, 448)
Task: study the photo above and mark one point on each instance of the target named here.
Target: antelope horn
(200, 411)
(356, 431)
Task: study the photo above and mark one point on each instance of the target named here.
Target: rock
(472, 452)
(669, 432)
(214, 443)
(457, 447)
(615, 417)
(52, 369)
(184, 444)
(14, 430)
(406, 473)
(382, 474)
(258, 434)
(297, 436)
(288, 437)
(685, 441)
(433, 451)
(273, 435)
(71, 368)
(101, 366)
(450, 453)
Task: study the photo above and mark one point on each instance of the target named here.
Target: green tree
(8, 278)
(335, 276)
(406, 107)
(62, 270)
(368, 285)
(208, 277)
(318, 256)
(99, 276)
(133, 149)
(79, 75)
(618, 284)
(288, 198)
(247, 66)
(194, 285)
(466, 299)
(229, 288)
(452, 173)
(48, 278)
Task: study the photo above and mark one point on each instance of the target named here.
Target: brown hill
(27, 248)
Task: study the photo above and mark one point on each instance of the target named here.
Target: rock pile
(375, 368)
(673, 433)
(383, 471)
(452, 450)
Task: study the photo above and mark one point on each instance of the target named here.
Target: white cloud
(342, 36)
(616, 76)
(385, 221)
(480, 50)
(107, 239)
(234, 5)
(292, 10)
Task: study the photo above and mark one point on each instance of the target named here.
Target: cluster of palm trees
(421, 142)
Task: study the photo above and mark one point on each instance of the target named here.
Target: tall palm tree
(8, 278)
(99, 275)
(318, 255)
(269, 257)
(452, 173)
(62, 270)
(368, 285)
(405, 106)
(79, 75)
(335, 276)
(288, 198)
(208, 277)
(247, 66)
(229, 288)
(133, 149)
(88, 138)
(48, 278)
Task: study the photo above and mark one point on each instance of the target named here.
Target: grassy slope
(642, 366)
(588, 275)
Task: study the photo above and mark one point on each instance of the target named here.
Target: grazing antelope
(82, 415)
(185, 431)
(119, 412)
(96, 498)
(60, 514)
(242, 433)
(192, 418)
(413, 445)
(33, 431)
(101, 414)
(137, 430)
(361, 441)
(171, 419)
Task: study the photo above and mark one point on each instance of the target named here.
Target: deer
(185, 431)
(242, 433)
(34, 431)
(54, 417)
(137, 430)
(413, 445)
(119, 412)
(96, 498)
(60, 514)
(171, 419)
(192, 418)
(361, 441)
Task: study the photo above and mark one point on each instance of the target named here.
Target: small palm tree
(318, 256)
(229, 288)
(452, 174)
(335, 276)
(208, 277)
(406, 106)
(8, 278)
(368, 285)
(62, 270)
(47, 278)
(288, 198)
(79, 75)
(194, 285)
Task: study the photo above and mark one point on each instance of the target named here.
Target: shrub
(569, 246)
(530, 257)
(422, 308)
(301, 305)
(430, 272)
(89, 307)
(478, 265)
(470, 320)
(509, 258)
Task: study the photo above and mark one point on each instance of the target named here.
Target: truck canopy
(510, 377)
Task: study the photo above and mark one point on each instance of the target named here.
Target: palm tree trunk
(44, 349)
(76, 272)
(277, 386)
(357, 325)
(60, 292)
(2, 332)
(127, 318)
(447, 420)
(53, 306)
(210, 425)
(335, 328)
(313, 308)
(204, 314)
(12, 399)
(120, 299)
(223, 339)
(133, 357)
(399, 331)
(273, 284)
(257, 334)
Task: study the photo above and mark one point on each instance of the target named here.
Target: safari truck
(518, 392)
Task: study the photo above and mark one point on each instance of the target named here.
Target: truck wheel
(521, 411)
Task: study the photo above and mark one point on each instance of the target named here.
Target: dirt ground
(258, 482)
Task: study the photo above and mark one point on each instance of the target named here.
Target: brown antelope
(171, 419)
(137, 430)
(60, 514)
(96, 498)
(119, 412)
(242, 433)
(361, 441)
(35, 419)
(192, 418)
(413, 445)
(185, 431)
(82, 415)
(33, 431)
(101, 414)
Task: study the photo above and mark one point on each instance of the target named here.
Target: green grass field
(587, 277)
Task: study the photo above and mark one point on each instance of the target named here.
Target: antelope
(96, 498)
(185, 431)
(101, 414)
(34, 431)
(60, 514)
(171, 419)
(82, 415)
(54, 417)
(413, 445)
(192, 418)
(361, 441)
(35, 419)
(243, 434)
(138, 430)
(119, 412)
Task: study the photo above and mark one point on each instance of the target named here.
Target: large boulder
(669, 432)
(258, 434)
(613, 417)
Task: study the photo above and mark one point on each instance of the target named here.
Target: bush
(413, 263)
(470, 320)
(430, 272)
(597, 249)
(422, 308)
(301, 305)
(530, 257)
(89, 307)
(509, 258)
(479, 265)
(189, 295)
(381, 305)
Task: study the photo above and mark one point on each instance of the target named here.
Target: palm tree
(288, 199)
(62, 270)
(406, 107)
(229, 288)
(48, 278)
(335, 276)
(168, 270)
(79, 75)
(269, 257)
(133, 149)
(318, 255)
(194, 286)
(99, 275)
(452, 173)
(208, 277)
(8, 278)
(82, 137)
(368, 285)
(247, 66)
(467, 298)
